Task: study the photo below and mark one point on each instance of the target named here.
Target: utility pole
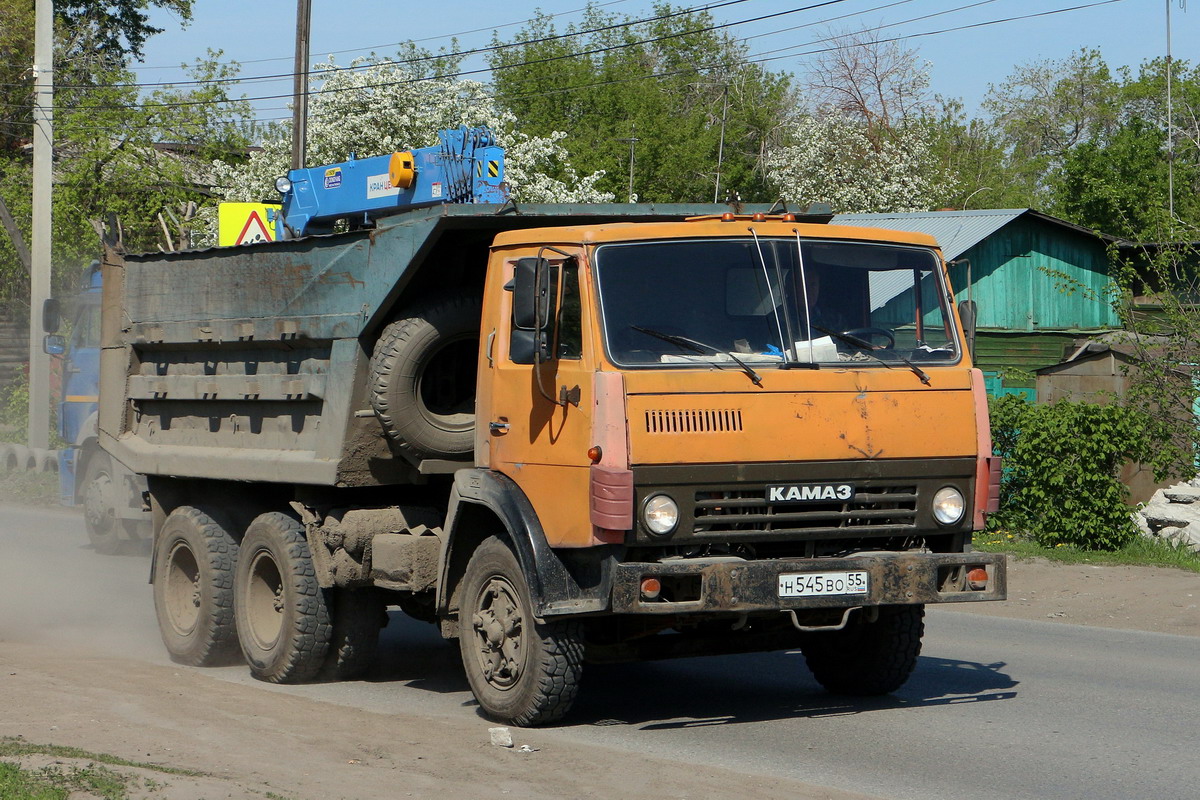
(300, 85)
(1170, 128)
(721, 147)
(43, 177)
(633, 140)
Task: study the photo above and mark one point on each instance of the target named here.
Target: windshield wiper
(700, 348)
(867, 348)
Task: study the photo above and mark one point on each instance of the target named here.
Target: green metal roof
(956, 231)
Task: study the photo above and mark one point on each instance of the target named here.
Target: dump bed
(250, 363)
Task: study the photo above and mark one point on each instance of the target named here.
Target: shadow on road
(718, 690)
(738, 689)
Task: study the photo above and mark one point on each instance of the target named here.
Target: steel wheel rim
(182, 594)
(264, 600)
(499, 633)
(97, 505)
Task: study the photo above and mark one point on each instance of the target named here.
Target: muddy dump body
(251, 363)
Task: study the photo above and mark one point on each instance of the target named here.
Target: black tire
(867, 659)
(521, 671)
(101, 495)
(358, 616)
(423, 379)
(283, 620)
(193, 587)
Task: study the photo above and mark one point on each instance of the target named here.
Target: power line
(418, 41)
(458, 54)
(462, 73)
(758, 58)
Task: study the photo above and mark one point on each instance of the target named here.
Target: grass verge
(29, 489)
(1142, 551)
(59, 781)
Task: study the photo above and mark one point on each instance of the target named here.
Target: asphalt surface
(996, 708)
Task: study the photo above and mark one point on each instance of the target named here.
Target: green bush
(14, 410)
(1060, 471)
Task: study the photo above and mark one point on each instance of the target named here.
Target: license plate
(822, 584)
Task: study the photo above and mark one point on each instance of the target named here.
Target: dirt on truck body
(562, 434)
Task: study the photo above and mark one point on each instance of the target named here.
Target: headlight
(283, 185)
(948, 505)
(660, 514)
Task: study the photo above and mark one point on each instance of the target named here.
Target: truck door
(81, 370)
(537, 417)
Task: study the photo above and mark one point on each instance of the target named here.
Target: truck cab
(110, 494)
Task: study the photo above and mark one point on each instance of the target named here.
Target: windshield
(773, 302)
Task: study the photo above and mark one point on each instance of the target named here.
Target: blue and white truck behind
(111, 496)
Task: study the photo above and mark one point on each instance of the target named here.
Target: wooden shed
(1039, 282)
(1097, 371)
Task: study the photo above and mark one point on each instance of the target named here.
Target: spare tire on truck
(423, 378)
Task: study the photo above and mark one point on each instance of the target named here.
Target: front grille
(748, 510)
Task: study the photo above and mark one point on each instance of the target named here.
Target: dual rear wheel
(217, 599)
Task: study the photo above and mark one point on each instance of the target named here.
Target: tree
(117, 28)
(881, 85)
(1046, 108)
(865, 141)
(834, 159)
(972, 152)
(1118, 185)
(91, 37)
(118, 155)
(374, 106)
(683, 90)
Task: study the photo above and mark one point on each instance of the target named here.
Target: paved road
(997, 708)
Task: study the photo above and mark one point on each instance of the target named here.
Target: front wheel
(284, 624)
(868, 658)
(521, 671)
(102, 494)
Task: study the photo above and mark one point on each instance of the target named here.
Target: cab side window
(570, 317)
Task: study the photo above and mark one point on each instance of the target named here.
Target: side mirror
(54, 344)
(523, 347)
(533, 302)
(51, 315)
(968, 312)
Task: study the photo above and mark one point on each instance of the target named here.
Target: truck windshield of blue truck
(774, 302)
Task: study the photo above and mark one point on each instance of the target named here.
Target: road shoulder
(1157, 599)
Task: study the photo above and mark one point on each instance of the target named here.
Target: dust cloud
(55, 590)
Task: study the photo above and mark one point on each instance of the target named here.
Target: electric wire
(760, 58)
(457, 54)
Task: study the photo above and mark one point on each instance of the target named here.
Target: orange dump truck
(564, 435)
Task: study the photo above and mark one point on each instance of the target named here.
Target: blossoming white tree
(865, 145)
(832, 159)
(374, 107)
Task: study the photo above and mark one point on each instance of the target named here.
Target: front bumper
(734, 585)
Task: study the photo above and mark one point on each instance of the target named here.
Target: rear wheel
(283, 620)
(868, 658)
(521, 671)
(193, 587)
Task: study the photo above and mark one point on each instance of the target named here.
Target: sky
(963, 62)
